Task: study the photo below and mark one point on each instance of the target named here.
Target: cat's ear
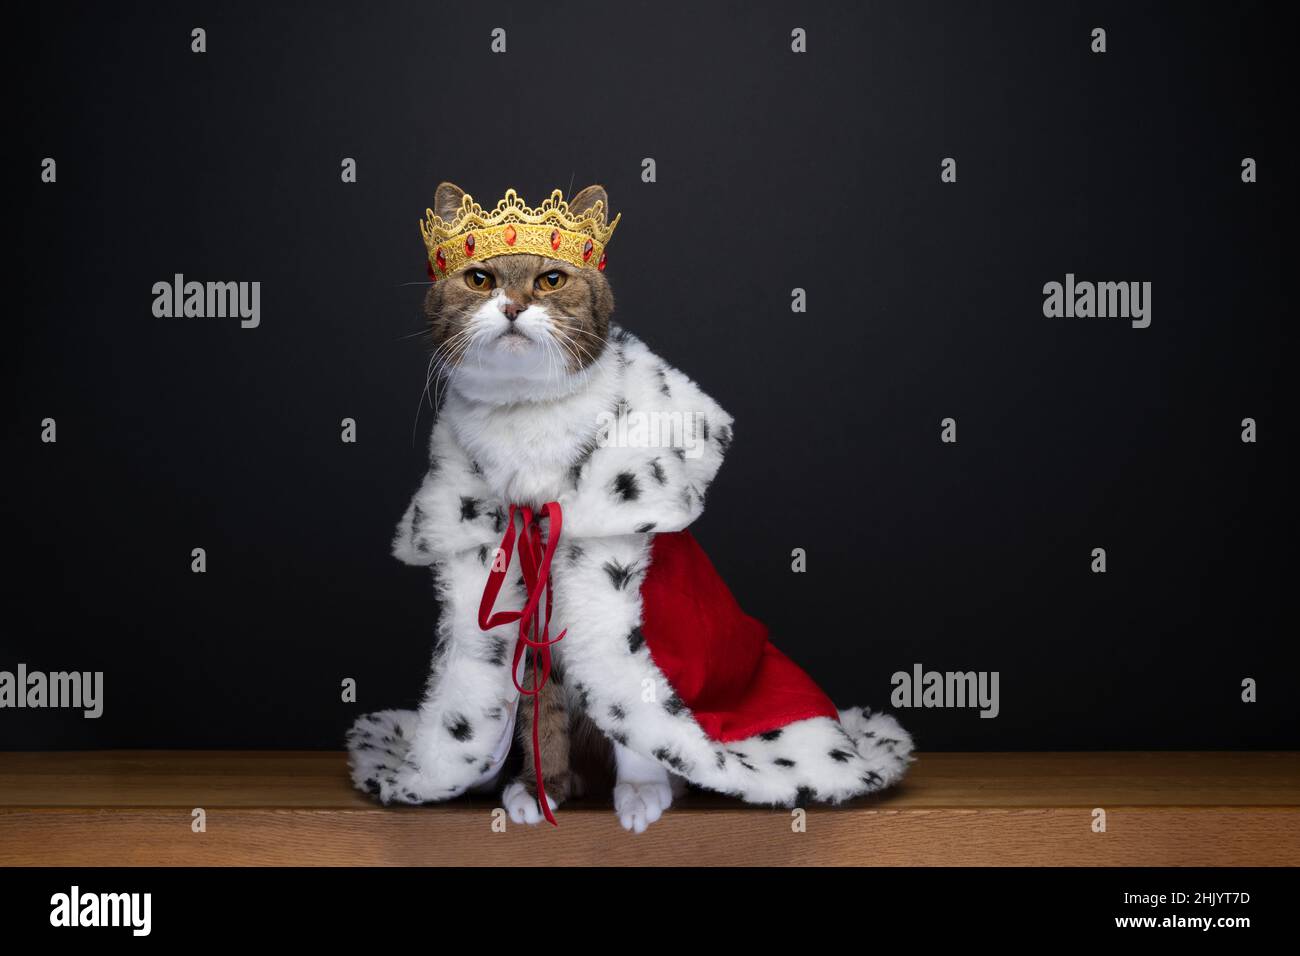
(587, 198)
(446, 201)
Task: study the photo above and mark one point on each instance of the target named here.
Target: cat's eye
(479, 280)
(550, 281)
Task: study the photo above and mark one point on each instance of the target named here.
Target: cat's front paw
(640, 804)
(522, 806)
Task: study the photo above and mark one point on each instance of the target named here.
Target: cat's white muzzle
(508, 359)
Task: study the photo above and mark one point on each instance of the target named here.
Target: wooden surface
(135, 808)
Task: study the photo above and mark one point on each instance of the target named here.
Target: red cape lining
(716, 657)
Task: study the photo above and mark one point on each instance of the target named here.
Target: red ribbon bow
(535, 564)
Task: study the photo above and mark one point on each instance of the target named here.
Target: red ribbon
(535, 564)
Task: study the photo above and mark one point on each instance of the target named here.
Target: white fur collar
(630, 451)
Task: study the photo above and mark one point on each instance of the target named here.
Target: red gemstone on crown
(469, 245)
(600, 266)
(555, 239)
(509, 235)
(440, 259)
(586, 250)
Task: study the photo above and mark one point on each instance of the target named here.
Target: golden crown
(512, 228)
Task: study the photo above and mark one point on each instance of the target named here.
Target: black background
(775, 170)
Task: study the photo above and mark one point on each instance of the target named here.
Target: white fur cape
(617, 490)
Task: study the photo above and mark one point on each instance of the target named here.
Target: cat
(520, 344)
(546, 406)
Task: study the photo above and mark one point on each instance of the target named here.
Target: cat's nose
(512, 310)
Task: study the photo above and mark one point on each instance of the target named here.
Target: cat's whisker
(411, 335)
(571, 346)
(437, 370)
(444, 351)
(556, 342)
(578, 345)
(597, 340)
(551, 352)
(575, 347)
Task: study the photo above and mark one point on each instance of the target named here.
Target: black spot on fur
(619, 574)
(626, 487)
(417, 519)
(459, 727)
(724, 438)
(680, 453)
(873, 780)
(483, 555)
(635, 640)
(575, 554)
(617, 713)
(839, 756)
(663, 379)
(721, 758)
(783, 762)
(497, 648)
(770, 735)
(475, 468)
(468, 508)
(470, 758)
(575, 470)
(498, 519)
(584, 696)
(804, 796)
(645, 528)
(674, 705)
(619, 738)
(372, 785)
(657, 471)
(665, 756)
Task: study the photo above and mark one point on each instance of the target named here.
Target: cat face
(519, 322)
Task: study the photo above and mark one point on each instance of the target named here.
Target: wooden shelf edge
(1135, 836)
